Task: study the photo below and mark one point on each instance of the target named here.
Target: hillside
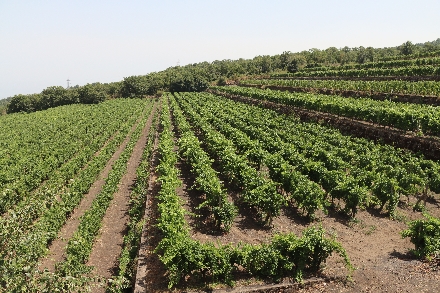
(315, 171)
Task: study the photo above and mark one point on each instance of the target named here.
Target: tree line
(198, 76)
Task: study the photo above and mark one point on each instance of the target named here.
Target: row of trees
(175, 79)
(55, 96)
(333, 56)
(196, 77)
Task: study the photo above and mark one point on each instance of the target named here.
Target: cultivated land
(295, 182)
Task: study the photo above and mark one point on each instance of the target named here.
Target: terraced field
(283, 184)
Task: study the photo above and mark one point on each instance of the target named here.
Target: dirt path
(57, 247)
(108, 245)
(150, 271)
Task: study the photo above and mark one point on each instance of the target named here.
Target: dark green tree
(91, 94)
(407, 48)
(296, 63)
(54, 96)
(24, 103)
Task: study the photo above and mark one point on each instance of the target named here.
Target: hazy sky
(43, 43)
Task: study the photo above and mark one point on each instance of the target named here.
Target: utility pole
(68, 83)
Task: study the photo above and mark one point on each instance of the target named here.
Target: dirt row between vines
(429, 146)
(107, 247)
(150, 272)
(57, 247)
(381, 257)
(402, 98)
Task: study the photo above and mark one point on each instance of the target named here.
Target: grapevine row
(20, 218)
(35, 147)
(182, 256)
(412, 117)
(313, 154)
(128, 256)
(257, 191)
(346, 188)
(428, 70)
(80, 245)
(20, 250)
(411, 56)
(206, 180)
(306, 194)
(421, 88)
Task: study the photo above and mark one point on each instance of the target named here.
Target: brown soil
(108, 246)
(150, 272)
(402, 98)
(381, 257)
(429, 146)
(57, 247)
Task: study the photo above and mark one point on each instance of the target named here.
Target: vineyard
(326, 179)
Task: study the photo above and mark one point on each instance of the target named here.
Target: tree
(24, 103)
(91, 94)
(141, 85)
(407, 48)
(262, 64)
(187, 79)
(54, 96)
(285, 58)
(332, 55)
(316, 56)
(365, 55)
(296, 63)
